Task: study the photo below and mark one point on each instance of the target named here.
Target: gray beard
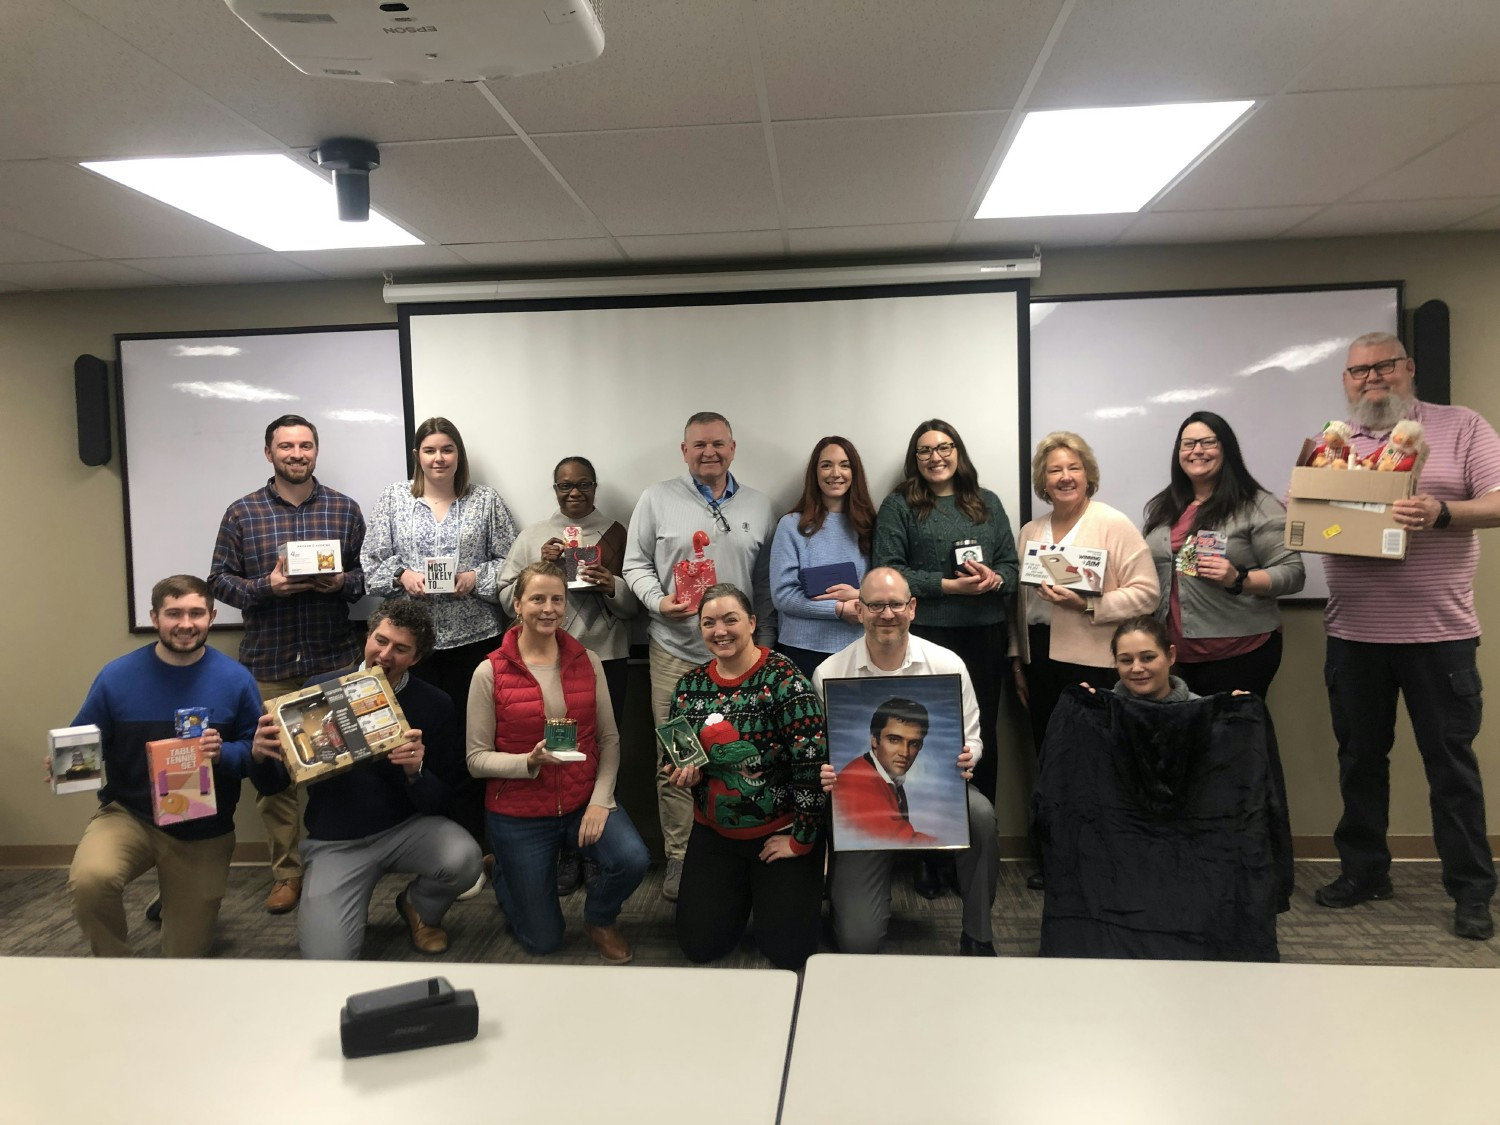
(1381, 417)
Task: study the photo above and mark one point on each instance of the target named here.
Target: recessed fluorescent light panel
(1101, 161)
(272, 200)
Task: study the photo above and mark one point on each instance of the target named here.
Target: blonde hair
(539, 569)
(1062, 439)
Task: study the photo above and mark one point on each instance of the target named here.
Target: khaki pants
(281, 813)
(117, 847)
(674, 806)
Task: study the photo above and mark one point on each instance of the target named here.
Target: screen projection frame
(238, 467)
(661, 444)
(1273, 473)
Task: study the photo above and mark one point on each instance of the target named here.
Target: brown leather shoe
(424, 938)
(611, 944)
(284, 896)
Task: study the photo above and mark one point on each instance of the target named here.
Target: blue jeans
(526, 851)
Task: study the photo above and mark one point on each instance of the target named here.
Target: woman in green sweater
(756, 844)
(937, 517)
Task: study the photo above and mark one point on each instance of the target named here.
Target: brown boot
(611, 944)
(284, 896)
(424, 938)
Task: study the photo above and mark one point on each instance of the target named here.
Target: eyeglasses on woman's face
(928, 452)
(1188, 444)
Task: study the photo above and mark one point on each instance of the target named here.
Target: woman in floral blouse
(440, 513)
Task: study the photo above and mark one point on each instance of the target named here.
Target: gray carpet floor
(1413, 928)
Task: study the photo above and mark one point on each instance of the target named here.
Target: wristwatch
(1239, 582)
(1444, 516)
(400, 570)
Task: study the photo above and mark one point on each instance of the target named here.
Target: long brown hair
(918, 493)
(426, 430)
(812, 509)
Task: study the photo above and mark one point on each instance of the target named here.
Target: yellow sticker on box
(1330, 532)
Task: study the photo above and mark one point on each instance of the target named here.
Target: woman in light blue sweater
(820, 554)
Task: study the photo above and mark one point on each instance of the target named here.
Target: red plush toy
(1403, 451)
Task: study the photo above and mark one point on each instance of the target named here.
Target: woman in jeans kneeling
(534, 799)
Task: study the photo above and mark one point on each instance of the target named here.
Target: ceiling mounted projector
(423, 41)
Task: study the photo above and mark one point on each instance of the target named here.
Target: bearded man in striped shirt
(1422, 643)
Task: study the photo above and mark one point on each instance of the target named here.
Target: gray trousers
(860, 889)
(341, 876)
(673, 805)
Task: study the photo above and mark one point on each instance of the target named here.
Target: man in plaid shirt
(295, 628)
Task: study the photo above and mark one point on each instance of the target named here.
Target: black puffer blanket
(1163, 832)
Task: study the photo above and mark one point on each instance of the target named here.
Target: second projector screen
(615, 382)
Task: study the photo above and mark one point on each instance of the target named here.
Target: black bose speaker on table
(91, 389)
(1429, 347)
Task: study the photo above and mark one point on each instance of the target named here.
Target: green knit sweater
(765, 740)
(922, 550)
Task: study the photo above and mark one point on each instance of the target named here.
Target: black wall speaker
(1429, 347)
(91, 388)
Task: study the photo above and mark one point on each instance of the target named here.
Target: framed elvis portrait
(894, 743)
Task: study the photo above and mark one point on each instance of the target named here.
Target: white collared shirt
(923, 658)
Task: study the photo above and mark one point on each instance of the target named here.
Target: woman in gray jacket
(1216, 537)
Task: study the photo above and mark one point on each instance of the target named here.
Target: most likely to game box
(331, 727)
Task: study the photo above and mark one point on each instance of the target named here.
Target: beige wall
(65, 563)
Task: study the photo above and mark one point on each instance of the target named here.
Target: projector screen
(530, 382)
(193, 414)
(1123, 371)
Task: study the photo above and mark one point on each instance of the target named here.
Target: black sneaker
(1345, 891)
(973, 947)
(569, 873)
(1472, 920)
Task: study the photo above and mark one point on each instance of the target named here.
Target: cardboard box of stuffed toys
(1345, 511)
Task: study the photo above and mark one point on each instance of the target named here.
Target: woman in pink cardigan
(1061, 636)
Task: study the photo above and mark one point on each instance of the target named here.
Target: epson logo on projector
(406, 30)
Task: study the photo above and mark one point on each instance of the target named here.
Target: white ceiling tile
(894, 236)
(1467, 163)
(555, 251)
(1317, 148)
(1145, 51)
(892, 170)
(73, 89)
(729, 244)
(66, 205)
(665, 62)
(1049, 230)
(865, 58)
(1402, 43)
(669, 181)
(224, 269)
(375, 260)
(1391, 216)
(1214, 226)
(18, 247)
(476, 191)
(203, 41)
(76, 275)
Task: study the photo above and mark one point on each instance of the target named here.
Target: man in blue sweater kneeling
(387, 815)
(133, 701)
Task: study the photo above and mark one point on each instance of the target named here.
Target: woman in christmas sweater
(756, 845)
(535, 800)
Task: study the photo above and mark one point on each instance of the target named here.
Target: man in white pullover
(738, 523)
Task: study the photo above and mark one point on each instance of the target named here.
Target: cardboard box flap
(1362, 486)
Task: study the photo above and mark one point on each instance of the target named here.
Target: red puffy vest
(519, 716)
